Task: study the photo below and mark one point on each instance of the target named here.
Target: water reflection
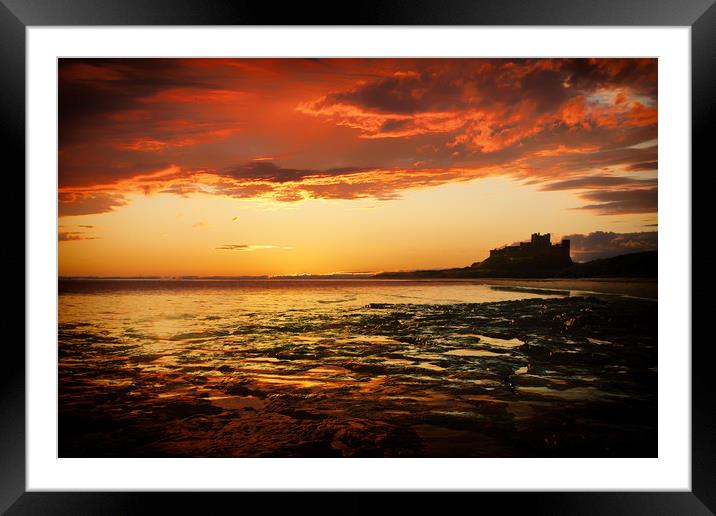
(311, 368)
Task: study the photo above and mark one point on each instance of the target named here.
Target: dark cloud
(404, 94)
(640, 74)
(70, 236)
(601, 244)
(270, 172)
(78, 168)
(588, 161)
(609, 202)
(595, 182)
(395, 124)
(233, 247)
(267, 171)
(245, 247)
(545, 88)
(644, 165)
(434, 85)
(86, 204)
(91, 89)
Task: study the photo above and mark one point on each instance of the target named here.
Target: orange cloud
(353, 128)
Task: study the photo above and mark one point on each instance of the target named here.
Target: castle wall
(538, 246)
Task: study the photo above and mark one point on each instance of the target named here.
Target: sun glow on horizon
(196, 234)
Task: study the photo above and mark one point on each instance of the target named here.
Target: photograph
(357, 257)
(404, 249)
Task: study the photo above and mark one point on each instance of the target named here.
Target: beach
(634, 287)
(357, 368)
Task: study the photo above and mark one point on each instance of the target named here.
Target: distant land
(633, 265)
(538, 258)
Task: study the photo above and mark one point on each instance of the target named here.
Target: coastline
(635, 287)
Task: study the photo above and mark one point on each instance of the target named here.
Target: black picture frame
(699, 15)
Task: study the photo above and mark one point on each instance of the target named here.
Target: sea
(353, 368)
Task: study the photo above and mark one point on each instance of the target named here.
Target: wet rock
(301, 414)
(402, 442)
(241, 389)
(184, 409)
(357, 383)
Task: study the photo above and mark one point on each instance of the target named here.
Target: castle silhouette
(540, 246)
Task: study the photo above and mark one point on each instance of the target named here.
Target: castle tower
(541, 241)
(565, 246)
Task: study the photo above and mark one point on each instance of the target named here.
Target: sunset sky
(288, 166)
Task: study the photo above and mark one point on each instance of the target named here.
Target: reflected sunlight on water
(349, 368)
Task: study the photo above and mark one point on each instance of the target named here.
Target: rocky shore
(570, 376)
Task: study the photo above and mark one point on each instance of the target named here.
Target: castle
(540, 246)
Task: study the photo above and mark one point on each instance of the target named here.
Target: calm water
(351, 368)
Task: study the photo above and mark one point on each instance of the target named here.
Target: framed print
(343, 255)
